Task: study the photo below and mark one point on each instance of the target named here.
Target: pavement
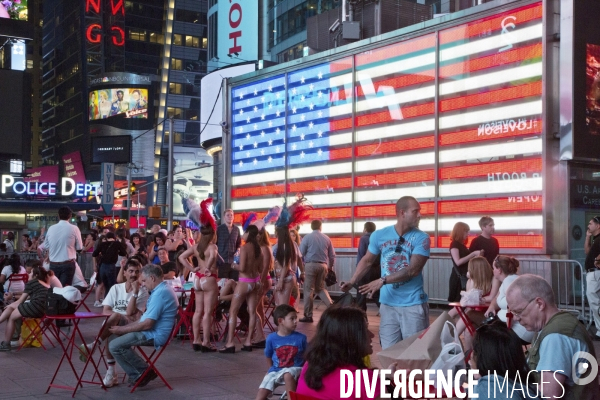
(27, 373)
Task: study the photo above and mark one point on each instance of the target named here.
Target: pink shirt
(331, 385)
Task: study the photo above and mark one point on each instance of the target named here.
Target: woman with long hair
(248, 288)
(460, 257)
(35, 292)
(286, 256)
(259, 339)
(159, 242)
(342, 342)
(12, 266)
(205, 285)
(138, 246)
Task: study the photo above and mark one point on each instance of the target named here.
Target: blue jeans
(121, 349)
(107, 276)
(64, 272)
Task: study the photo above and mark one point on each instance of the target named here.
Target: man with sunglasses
(592, 265)
(558, 356)
(403, 250)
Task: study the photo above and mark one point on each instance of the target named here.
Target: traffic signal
(132, 189)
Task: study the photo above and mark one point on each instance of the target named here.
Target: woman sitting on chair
(35, 291)
(13, 267)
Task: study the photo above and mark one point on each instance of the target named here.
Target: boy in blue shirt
(284, 350)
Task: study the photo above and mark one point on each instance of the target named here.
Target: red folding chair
(17, 278)
(90, 290)
(185, 318)
(152, 359)
(39, 331)
(297, 396)
(269, 314)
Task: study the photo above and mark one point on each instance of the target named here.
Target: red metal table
(461, 311)
(70, 347)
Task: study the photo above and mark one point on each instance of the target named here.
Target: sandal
(260, 345)
(228, 350)
(208, 349)
(246, 348)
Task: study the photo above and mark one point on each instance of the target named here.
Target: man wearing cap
(592, 265)
(63, 240)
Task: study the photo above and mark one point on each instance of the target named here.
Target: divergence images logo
(585, 368)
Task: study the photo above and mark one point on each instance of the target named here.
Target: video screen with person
(592, 117)
(13, 9)
(122, 102)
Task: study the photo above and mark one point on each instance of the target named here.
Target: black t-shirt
(594, 252)
(491, 247)
(168, 267)
(110, 251)
(462, 252)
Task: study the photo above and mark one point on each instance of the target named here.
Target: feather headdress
(199, 214)
(295, 214)
(247, 219)
(272, 215)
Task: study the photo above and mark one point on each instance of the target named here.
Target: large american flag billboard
(357, 133)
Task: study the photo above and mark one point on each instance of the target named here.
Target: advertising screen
(13, 9)
(592, 114)
(111, 149)
(353, 151)
(118, 103)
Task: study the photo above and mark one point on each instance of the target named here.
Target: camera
(223, 124)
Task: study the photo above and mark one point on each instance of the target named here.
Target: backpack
(57, 304)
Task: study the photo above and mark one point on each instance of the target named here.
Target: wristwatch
(383, 279)
(135, 295)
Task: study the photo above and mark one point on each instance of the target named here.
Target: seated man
(125, 302)
(560, 337)
(169, 268)
(153, 328)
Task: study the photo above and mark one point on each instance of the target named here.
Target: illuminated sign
(95, 31)
(361, 148)
(124, 103)
(68, 187)
(238, 30)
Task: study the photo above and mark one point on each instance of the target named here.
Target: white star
(248, 120)
(248, 137)
(294, 110)
(262, 117)
(320, 152)
(320, 133)
(311, 144)
(241, 147)
(320, 75)
(320, 114)
(255, 109)
(270, 105)
(302, 80)
(262, 152)
(255, 162)
(302, 155)
(277, 95)
(269, 159)
(255, 126)
(294, 91)
(262, 99)
(270, 142)
(302, 117)
(294, 128)
(241, 164)
(270, 88)
(247, 154)
(294, 146)
(255, 92)
(241, 111)
(277, 131)
(247, 102)
(277, 149)
(302, 98)
(277, 113)
(284, 139)
(262, 133)
(310, 125)
(311, 106)
(302, 136)
(270, 124)
(311, 86)
(255, 144)
(241, 129)
(241, 96)
(319, 94)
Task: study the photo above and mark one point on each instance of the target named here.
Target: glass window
(177, 40)
(175, 88)
(204, 43)
(176, 64)
(137, 35)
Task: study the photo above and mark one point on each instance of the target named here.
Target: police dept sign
(68, 187)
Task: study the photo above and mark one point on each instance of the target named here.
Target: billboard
(118, 103)
(14, 9)
(353, 151)
(238, 30)
(111, 149)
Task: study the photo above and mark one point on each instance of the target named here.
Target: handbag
(463, 279)
(330, 278)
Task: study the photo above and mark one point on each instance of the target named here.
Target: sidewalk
(27, 373)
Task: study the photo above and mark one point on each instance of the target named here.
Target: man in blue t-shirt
(153, 328)
(404, 250)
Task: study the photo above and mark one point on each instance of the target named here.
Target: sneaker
(14, 343)
(110, 379)
(98, 304)
(5, 346)
(84, 353)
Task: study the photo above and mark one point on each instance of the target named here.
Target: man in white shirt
(62, 242)
(125, 302)
(10, 242)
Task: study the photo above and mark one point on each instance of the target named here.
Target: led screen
(118, 103)
(353, 151)
(13, 9)
(592, 115)
(111, 149)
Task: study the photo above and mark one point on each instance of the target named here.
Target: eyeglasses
(520, 313)
(398, 248)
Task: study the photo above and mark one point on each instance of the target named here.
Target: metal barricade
(86, 263)
(28, 255)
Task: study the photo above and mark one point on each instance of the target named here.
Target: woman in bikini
(205, 285)
(248, 288)
(287, 255)
(265, 282)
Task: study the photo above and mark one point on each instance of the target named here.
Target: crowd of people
(236, 275)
